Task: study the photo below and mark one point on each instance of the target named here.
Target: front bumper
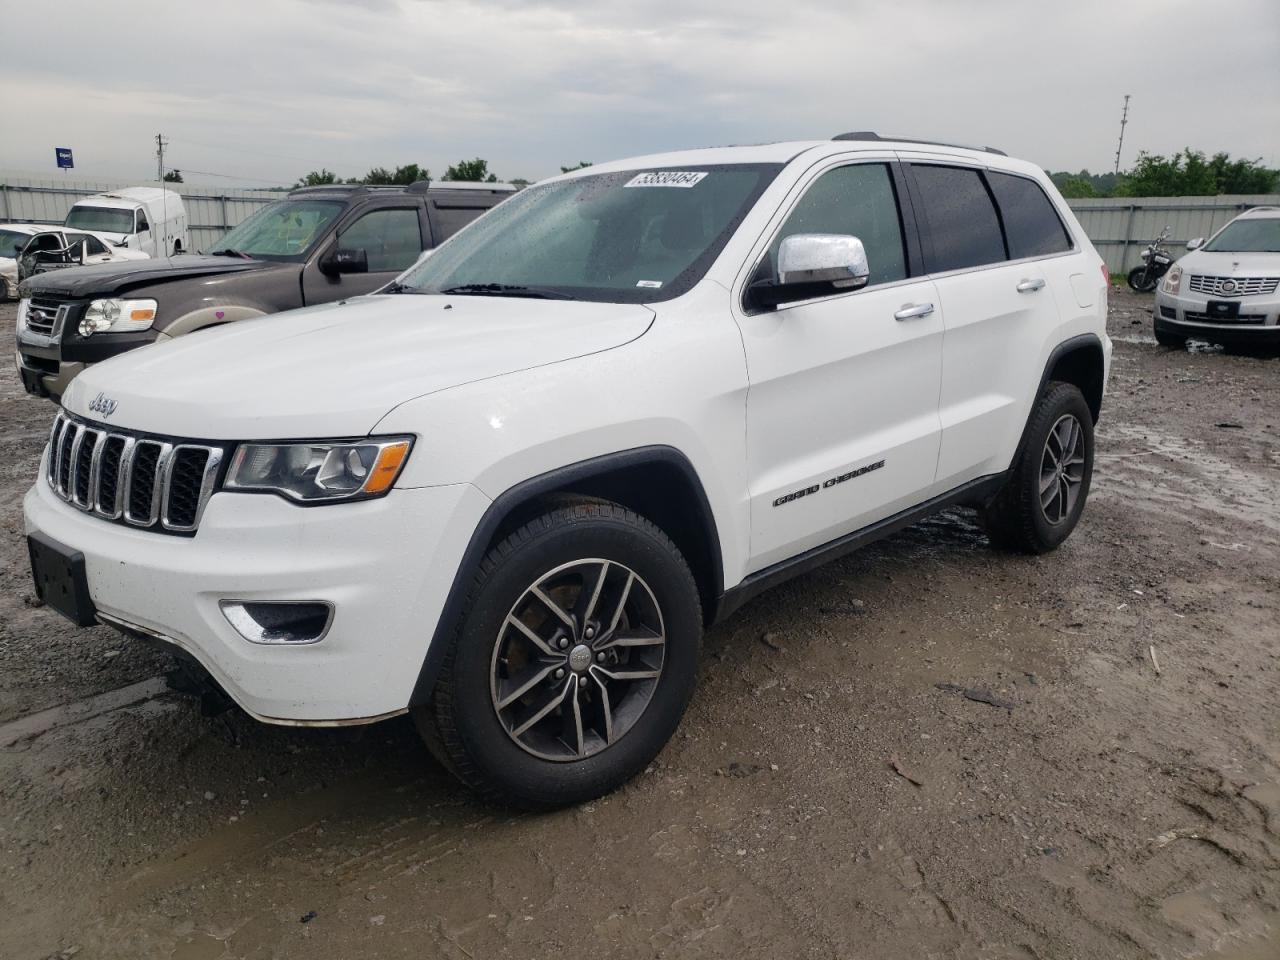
(386, 565)
(1186, 315)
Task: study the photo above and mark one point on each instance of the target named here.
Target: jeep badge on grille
(104, 405)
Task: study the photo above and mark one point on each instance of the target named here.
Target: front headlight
(22, 313)
(320, 472)
(117, 316)
(1172, 280)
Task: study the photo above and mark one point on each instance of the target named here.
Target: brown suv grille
(139, 480)
(42, 316)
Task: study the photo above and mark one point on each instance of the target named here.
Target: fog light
(279, 621)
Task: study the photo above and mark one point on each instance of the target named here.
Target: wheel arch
(658, 482)
(1079, 361)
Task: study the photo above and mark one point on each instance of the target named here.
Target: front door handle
(1030, 286)
(911, 311)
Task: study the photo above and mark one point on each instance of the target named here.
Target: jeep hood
(105, 279)
(335, 370)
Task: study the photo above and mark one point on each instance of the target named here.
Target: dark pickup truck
(316, 245)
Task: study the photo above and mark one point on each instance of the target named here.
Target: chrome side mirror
(812, 265)
(832, 258)
(1195, 244)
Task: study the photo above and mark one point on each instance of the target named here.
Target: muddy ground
(1110, 810)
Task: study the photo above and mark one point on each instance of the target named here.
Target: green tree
(317, 178)
(173, 176)
(1191, 174)
(1077, 188)
(1243, 176)
(403, 176)
(582, 165)
(476, 171)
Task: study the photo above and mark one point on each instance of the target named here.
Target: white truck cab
(508, 493)
(150, 219)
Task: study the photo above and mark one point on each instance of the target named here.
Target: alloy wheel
(1062, 469)
(577, 659)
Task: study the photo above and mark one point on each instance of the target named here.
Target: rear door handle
(1030, 286)
(913, 310)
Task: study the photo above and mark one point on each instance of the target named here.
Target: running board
(972, 493)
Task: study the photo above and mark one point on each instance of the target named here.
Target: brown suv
(316, 245)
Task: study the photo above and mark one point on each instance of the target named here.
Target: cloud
(272, 90)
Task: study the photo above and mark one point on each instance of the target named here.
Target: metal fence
(1119, 227)
(210, 212)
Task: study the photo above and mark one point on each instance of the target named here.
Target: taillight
(1106, 276)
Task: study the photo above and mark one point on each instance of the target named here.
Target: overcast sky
(264, 91)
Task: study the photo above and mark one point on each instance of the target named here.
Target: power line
(236, 176)
(254, 153)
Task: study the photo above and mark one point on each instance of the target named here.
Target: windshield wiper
(507, 290)
(228, 252)
(397, 287)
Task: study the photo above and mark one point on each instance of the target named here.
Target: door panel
(842, 407)
(842, 415)
(998, 310)
(993, 339)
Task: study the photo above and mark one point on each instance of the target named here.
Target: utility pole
(161, 143)
(1124, 118)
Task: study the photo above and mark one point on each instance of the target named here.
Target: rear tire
(573, 661)
(1043, 498)
(5, 293)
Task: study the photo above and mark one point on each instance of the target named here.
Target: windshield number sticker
(651, 284)
(667, 178)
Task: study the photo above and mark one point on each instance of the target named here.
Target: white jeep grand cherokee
(509, 494)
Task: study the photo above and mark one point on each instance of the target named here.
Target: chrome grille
(45, 316)
(137, 480)
(1235, 286)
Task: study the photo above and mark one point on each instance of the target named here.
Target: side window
(858, 199)
(1031, 224)
(449, 218)
(95, 246)
(391, 238)
(142, 222)
(963, 225)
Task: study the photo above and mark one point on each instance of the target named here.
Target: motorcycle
(1156, 261)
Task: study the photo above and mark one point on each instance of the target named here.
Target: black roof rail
(872, 135)
(352, 188)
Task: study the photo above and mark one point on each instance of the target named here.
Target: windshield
(103, 219)
(630, 237)
(1248, 236)
(280, 231)
(12, 242)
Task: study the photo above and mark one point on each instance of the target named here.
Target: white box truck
(150, 219)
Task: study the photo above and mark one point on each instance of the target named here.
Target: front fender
(209, 317)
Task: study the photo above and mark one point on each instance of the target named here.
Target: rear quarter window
(1031, 224)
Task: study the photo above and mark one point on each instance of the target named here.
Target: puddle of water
(38, 724)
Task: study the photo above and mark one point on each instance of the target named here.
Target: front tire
(1173, 341)
(1142, 280)
(574, 659)
(1043, 498)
